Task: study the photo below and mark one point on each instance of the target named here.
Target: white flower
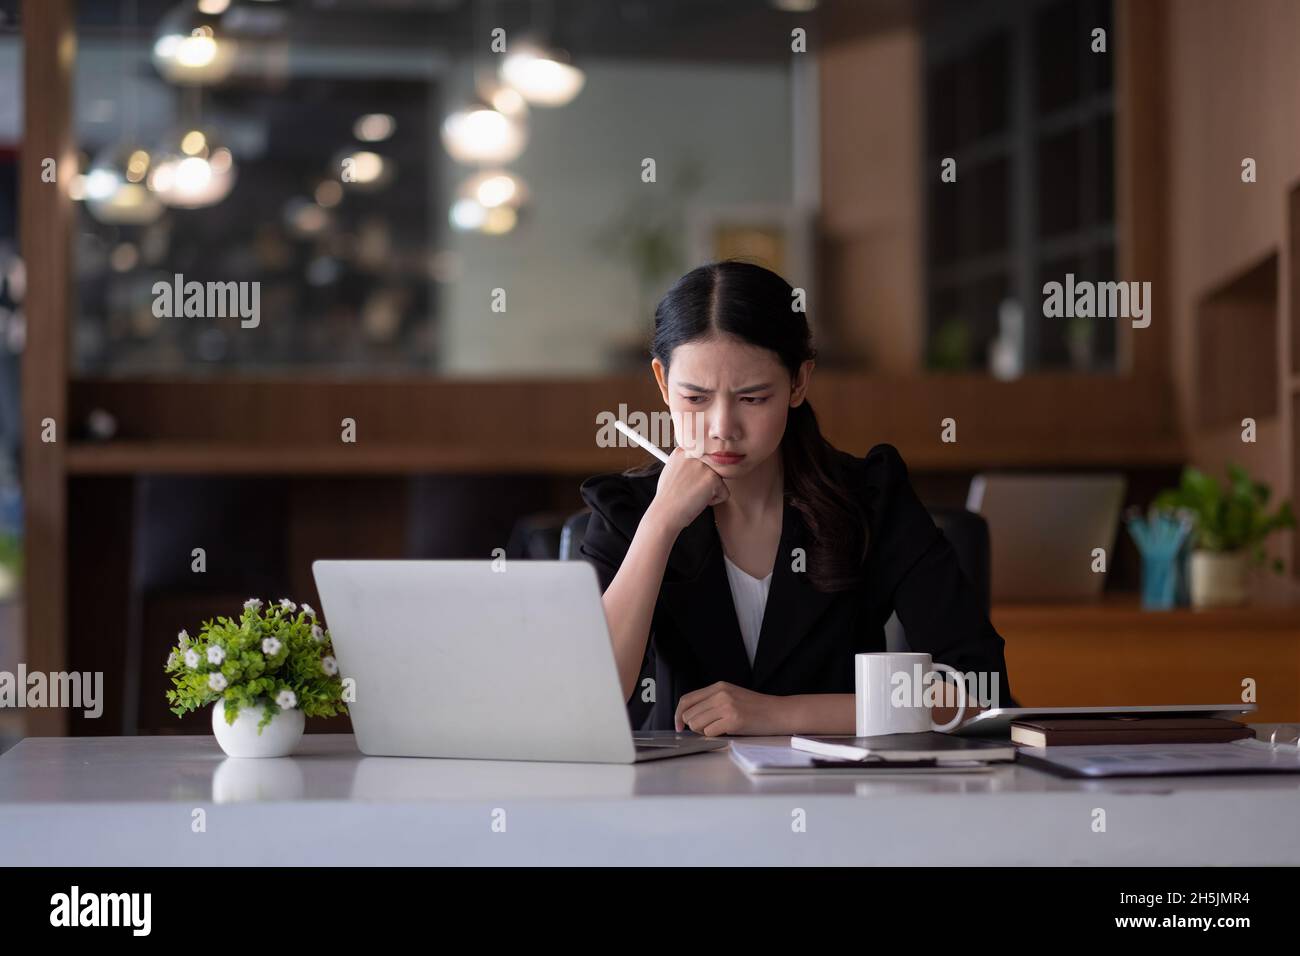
(183, 636)
(270, 646)
(288, 605)
(329, 665)
(191, 658)
(252, 604)
(317, 633)
(171, 658)
(217, 681)
(215, 654)
(308, 610)
(286, 699)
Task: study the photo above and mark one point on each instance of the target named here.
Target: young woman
(745, 573)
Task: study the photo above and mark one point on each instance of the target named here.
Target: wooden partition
(46, 216)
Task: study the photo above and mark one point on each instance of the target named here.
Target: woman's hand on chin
(724, 708)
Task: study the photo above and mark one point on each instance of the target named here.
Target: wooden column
(1141, 174)
(46, 217)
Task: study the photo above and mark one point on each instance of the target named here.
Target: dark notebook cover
(1082, 731)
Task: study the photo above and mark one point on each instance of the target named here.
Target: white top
(750, 596)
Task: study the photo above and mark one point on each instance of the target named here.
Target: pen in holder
(1160, 538)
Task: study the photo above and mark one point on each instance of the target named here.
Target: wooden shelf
(1236, 327)
(1123, 614)
(120, 458)
(126, 458)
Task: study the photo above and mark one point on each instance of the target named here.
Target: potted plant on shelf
(263, 675)
(1230, 525)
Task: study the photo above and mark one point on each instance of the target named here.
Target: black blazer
(808, 638)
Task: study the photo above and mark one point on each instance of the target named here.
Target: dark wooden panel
(550, 425)
(1140, 41)
(101, 616)
(46, 212)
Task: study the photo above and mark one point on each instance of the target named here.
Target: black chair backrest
(571, 535)
(969, 534)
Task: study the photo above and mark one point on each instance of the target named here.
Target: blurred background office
(459, 215)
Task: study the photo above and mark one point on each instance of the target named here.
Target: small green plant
(1228, 518)
(280, 657)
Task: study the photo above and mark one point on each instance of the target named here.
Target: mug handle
(961, 694)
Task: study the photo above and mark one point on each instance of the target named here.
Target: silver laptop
(1042, 532)
(485, 660)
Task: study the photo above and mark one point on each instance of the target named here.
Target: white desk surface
(130, 801)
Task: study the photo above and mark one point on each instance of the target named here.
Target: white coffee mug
(890, 695)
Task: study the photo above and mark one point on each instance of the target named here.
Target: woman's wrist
(659, 523)
(819, 714)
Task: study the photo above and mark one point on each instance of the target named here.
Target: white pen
(647, 445)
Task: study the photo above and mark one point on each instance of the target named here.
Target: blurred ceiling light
(470, 215)
(795, 6)
(374, 127)
(124, 257)
(328, 193)
(194, 142)
(195, 173)
(478, 133)
(503, 98)
(500, 220)
(543, 76)
(114, 187)
(137, 166)
(467, 215)
(495, 187)
(187, 48)
(213, 7)
(364, 170)
(304, 218)
(221, 161)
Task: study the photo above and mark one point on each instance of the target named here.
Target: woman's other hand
(724, 708)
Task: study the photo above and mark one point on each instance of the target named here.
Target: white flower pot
(1218, 578)
(241, 739)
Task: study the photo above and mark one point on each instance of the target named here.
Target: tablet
(998, 720)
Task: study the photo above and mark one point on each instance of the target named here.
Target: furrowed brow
(740, 391)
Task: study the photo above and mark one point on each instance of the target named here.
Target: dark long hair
(756, 305)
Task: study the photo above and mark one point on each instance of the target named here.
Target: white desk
(129, 801)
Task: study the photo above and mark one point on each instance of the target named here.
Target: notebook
(1076, 731)
(922, 746)
(766, 759)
